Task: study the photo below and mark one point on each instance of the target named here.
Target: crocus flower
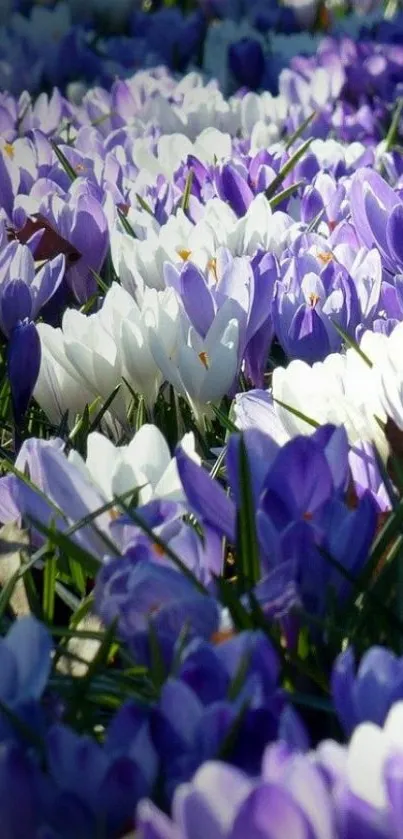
(368, 693)
(136, 590)
(334, 791)
(202, 370)
(377, 213)
(246, 61)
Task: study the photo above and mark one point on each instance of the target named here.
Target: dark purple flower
(246, 62)
(23, 363)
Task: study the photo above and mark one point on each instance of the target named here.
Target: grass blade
(286, 169)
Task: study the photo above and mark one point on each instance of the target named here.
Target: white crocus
(139, 263)
(368, 752)
(339, 390)
(202, 370)
(57, 391)
(389, 376)
(88, 354)
(144, 464)
(259, 228)
(344, 389)
(128, 323)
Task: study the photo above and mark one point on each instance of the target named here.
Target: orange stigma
(212, 266)
(313, 299)
(80, 168)
(222, 635)
(158, 549)
(325, 257)
(184, 254)
(204, 359)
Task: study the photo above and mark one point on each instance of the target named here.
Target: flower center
(204, 359)
(325, 257)
(313, 299)
(158, 549)
(212, 266)
(9, 150)
(184, 254)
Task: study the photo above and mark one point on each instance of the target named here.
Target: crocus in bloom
(377, 213)
(368, 693)
(203, 369)
(334, 792)
(246, 61)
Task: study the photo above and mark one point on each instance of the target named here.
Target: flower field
(201, 419)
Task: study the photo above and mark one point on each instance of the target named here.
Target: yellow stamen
(212, 266)
(325, 257)
(114, 514)
(204, 359)
(9, 150)
(313, 299)
(184, 254)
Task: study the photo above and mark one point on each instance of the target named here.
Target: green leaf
(224, 419)
(286, 169)
(78, 576)
(49, 588)
(387, 536)
(64, 162)
(286, 193)
(102, 285)
(238, 681)
(299, 131)
(157, 667)
(315, 221)
(391, 136)
(105, 407)
(229, 597)
(90, 564)
(143, 204)
(229, 742)
(126, 224)
(248, 559)
(187, 191)
(351, 343)
(297, 413)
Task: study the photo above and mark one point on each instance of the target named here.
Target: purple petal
(394, 233)
(15, 305)
(197, 299)
(205, 495)
(23, 363)
(31, 645)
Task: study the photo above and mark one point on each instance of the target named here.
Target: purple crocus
(313, 292)
(368, 692)
(377, 213)
(63, 495)
(298, 493)
(247, 284)
(290, 798)
(246, 62)
(24, 292)
(135, 590)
